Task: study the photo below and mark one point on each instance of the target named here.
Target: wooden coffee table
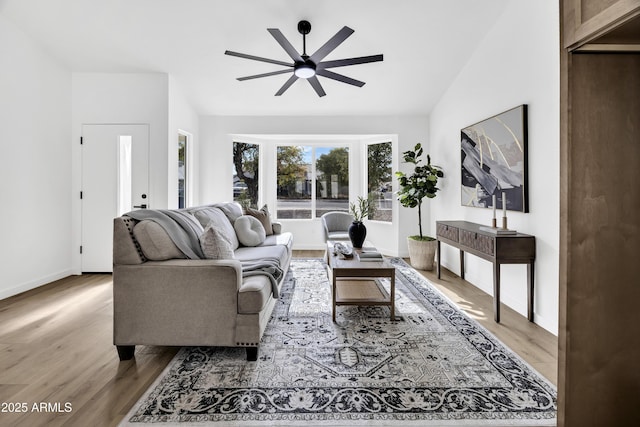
(353, 284)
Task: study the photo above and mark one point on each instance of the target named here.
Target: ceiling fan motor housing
(305, 69)
(304, 27)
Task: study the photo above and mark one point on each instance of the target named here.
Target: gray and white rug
(433, 366)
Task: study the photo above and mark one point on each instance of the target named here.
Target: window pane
(379, 179)
(294, 182)
(245, 173)
(182, 170)
(124, 174)
(332, 184)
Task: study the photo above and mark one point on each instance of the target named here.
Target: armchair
(336, 225)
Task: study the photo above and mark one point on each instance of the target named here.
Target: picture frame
(494, 161)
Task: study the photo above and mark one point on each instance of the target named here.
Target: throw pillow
(249, 230)
(215, 244)
(263, 216)
(214, 215)
(155, 243)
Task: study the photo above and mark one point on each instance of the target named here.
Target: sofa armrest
(276, 227)
(176, 302)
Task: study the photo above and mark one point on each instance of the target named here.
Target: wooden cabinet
(469, 237)
(586, 20)
(598, 342)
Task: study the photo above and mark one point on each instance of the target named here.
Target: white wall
(121, 99)
(35, 177)
(216, 163)
(182, 119)
(517, 63)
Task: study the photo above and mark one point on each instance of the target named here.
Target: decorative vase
(422, 253)
(357, 234)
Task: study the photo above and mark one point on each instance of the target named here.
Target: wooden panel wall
(599, 343)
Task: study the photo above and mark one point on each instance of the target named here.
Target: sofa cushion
(284, 239)
(215, 244)
(254, 294)
(263, 216)
(257, 253)
(154, 241)
(249, 230)
(232, 210)
(219, 219)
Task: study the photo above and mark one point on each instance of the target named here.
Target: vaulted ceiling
(425, 44)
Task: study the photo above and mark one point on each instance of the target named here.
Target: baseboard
(24, 287)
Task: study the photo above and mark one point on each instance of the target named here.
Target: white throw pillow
(215, 244)
(249, 230)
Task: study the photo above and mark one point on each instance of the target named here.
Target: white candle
(494, 205)
(504, 204)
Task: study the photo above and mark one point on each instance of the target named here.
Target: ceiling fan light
(305, 71)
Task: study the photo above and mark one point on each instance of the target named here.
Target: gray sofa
(161, 296)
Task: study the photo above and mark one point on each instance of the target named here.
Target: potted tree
(413, 188)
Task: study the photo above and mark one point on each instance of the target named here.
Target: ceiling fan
(309, 67)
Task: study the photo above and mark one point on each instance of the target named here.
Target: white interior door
(115, 180)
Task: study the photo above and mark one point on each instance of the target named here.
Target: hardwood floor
(56, 348)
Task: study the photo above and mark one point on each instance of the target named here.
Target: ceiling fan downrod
(304, 28)
(307, 68)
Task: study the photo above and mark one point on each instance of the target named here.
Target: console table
(500, 249)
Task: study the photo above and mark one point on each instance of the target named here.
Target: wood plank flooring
(56, 348)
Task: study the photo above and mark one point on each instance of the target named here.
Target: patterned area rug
(432, 366)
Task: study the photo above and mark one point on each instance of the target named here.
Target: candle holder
(498, 231)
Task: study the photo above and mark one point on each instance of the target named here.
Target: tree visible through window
(294, 181)
(182, 171)
(245, 173)
(332, 184)
(379, 179)
(307, 189)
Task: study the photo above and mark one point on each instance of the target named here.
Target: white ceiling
(425, 43)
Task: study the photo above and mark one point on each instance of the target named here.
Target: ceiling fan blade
(282, 40)
(316, 86)
(257, 76)
(350, 61)
(339, 77)
(287, 84)
(331, 44)
(257, 58)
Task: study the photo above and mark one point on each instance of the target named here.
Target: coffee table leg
(334, 297)
(393, 295)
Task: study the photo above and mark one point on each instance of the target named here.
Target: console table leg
(461, 264)
(530, 272)
(496, 292)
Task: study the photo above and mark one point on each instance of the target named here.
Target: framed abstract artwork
(494, 161)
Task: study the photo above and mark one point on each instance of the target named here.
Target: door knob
(142, 206)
